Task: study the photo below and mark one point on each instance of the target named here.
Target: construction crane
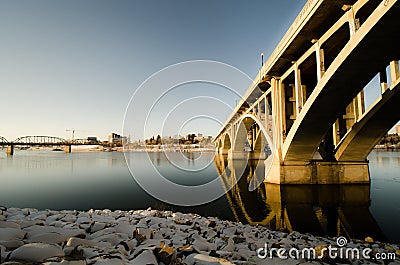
(73, 132)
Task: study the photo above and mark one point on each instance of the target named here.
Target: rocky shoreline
(30, 236)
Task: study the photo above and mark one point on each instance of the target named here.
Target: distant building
(92, 139)
(117, 140)
(199, 137)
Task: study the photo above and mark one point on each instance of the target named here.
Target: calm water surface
(57, 180)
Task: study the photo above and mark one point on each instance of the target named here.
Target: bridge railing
(289, 35)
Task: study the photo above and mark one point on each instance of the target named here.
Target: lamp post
(73, 132)
(262, 59)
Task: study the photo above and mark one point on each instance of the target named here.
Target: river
(99, 180)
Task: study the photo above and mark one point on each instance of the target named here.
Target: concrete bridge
(306, 104)
(43, 141)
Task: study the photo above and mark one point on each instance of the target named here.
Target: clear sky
(75, 64)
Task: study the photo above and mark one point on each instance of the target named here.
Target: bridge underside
(363, 136)
(314, 84)
(357, 64)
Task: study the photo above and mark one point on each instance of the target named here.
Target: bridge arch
(3, 140)
(226, 144)
(251, 135)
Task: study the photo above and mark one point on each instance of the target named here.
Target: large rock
(65, 232)
(11, 234)
(111, 262)
(4, 224)
(48, 238)
(74, 242)
(200, 259)
(11, 244)
(125, 228)
(145, 258)
(67, 262)
(37, 252)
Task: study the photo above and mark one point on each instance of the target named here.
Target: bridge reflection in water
(333, 210)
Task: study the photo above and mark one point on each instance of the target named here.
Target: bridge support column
(383, 80)
(320, 60)
(68, 148)
(298, 89)
(10, 150)
(319, 173)
(223, 151)
(394, 70)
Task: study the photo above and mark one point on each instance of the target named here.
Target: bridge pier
(318, 172)
(10, 150)
(68, 148)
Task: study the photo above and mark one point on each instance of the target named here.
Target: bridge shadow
(333, 210)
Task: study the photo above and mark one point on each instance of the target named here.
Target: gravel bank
(30, 236)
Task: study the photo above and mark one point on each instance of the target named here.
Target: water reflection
(334, 210)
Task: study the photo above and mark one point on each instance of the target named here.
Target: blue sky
(75, 64)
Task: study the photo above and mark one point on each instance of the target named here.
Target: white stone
(65, 232)
(83, 220)
(106, 231)
(88, 252)
(69, 218)
(97, 226)
(230, 246)
(27, 223)
(53, 218)
(201, 244)
(37, 252)
(230, 231)
(9, 225)
(18, 217)
(110, 262)
(49, 238)
(11, 233)
(125, 228)
(145, 258)
(200, 259)
(38, 216)
(74, 242)
(67, 262)
(112, 238)
(11, 244)
(144, 231)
